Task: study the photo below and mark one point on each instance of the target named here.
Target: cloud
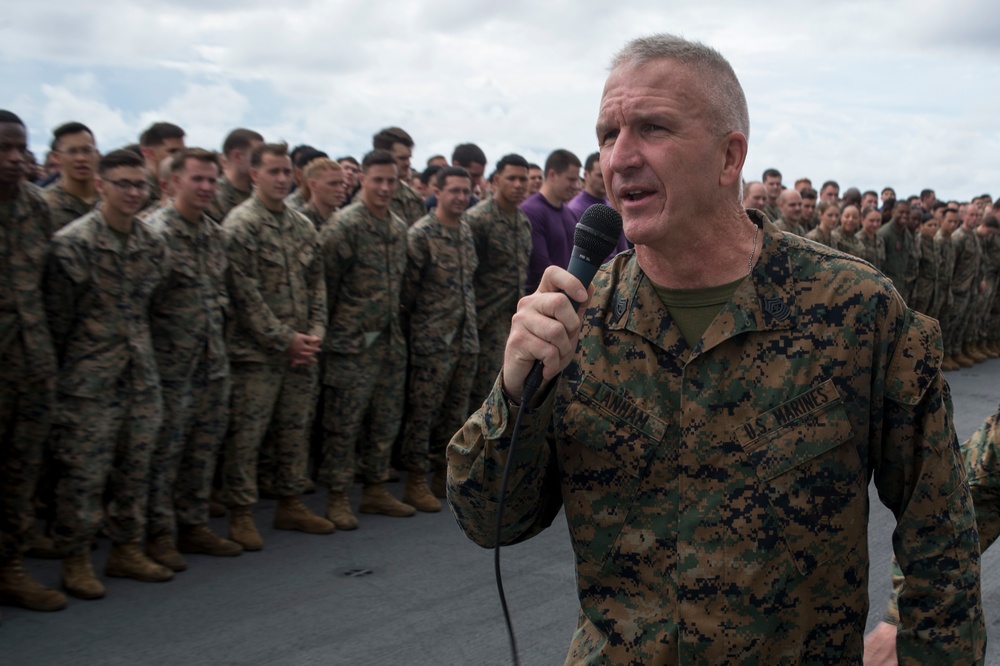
(863, 92)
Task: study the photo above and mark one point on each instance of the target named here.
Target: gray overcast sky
(873, 93)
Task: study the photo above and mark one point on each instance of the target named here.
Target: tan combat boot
(19, 588)
(242, 529)
(78, 576)
(199, 539)
(972, 351)
(216, 507)
(293, 514)
(128, 561)
(338, 511)
(949, 364)
(963, 360)
(376, 499)
(439, 485)
(161, 549)
(993, 349)
(418, 495)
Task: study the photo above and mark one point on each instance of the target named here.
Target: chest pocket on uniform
(604, 453)
(810, 473)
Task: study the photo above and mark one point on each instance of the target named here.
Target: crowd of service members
(183, 332)
(942, 257)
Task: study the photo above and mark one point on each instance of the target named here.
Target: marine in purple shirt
(552, 221)
(594, 192)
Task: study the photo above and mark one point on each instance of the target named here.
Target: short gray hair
(728, 103)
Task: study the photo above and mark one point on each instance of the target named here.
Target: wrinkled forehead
(638, 87)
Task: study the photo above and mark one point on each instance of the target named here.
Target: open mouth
(636, 195)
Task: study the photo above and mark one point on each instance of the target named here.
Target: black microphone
(596, 235)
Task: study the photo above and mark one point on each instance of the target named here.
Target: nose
(625, 151)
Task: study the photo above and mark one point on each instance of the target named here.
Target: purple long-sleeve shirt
(585, 200)
(551, 236)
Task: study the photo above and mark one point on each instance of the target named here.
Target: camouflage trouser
(492, 342)
(371, 383)
(25, 409)
(981, 319)
(195, 418)
(104, 446)
(437, 406)
(992, 324)
(958, 320)
(270, 402)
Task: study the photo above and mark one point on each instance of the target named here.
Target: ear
(735, 147)
(253, 174)
(147, 152)
(99, 185)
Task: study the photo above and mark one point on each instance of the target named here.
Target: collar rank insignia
(621, 307)
(777, 309)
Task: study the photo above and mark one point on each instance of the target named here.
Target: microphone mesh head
(598, 230)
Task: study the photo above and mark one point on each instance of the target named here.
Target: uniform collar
(763, 301)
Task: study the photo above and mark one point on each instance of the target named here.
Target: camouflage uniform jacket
(154, 193)
(24, 248)
(820, 236)
(898, 250)
(407, 204)
(773, 212)
(65, 207)
(981, 454)
(296, 201)
(717, 497)
(925, 286)
(227, 197)
(991, 255)
(849, 244)
(98, 296)
(438, 290)
(789, 227)
(189, 311)
(968, 261)
(365, 263)
(874, 248)
(503, 243)
(314, 216)
(946, 252)
(275, 280)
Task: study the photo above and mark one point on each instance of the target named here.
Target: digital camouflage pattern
(407, 204)
(991, 326)
(981, 454)
(275, 281)
(773, 212)
(964, 285)
(717, 497)
(98, 295)
(314, 216)
(27, 364)
(873, 248)
(439, 297)
(898, 250)
(984, 300)
(365, 349)
(847, 243)
(277, 290)
(227, 197)
(188, 320)
(820, 236)
(65, 207)
(925, 286)
(272, 402)
(296, 201)
(946, 267)
(503, 245)
(790, 228)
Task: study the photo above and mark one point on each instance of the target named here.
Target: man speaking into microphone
(711, 417)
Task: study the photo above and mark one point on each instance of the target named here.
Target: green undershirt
(121, 236)
(694, 309)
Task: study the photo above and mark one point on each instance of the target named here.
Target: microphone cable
(531, 385)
